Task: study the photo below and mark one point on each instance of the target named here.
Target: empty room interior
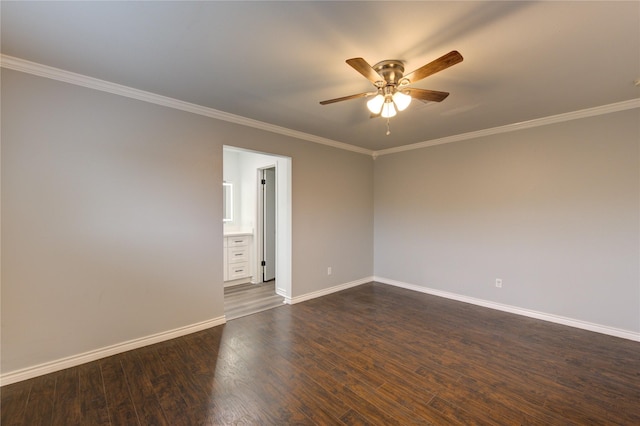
(438, 204)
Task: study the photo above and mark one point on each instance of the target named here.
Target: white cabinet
(236, 257)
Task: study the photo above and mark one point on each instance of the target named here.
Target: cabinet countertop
(237, 234)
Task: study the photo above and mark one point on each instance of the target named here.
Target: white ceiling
(274, 61)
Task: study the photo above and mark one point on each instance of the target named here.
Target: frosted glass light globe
(401, 100)
(375, 104)
(388, 110)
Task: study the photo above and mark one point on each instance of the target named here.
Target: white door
(269, 225)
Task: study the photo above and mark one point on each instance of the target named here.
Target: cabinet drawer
(237, 254)
(238, 270)
(237, 241)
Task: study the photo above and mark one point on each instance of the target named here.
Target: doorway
(267, 202)
(263, 213)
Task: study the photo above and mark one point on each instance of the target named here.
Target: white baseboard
(74, 360)
(598, 328)
(324, 292)
(239, 281)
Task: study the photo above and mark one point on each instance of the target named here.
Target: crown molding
(40, 70)
(34, 68)
(545, 121)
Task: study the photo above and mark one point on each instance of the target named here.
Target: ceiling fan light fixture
(375, 104)
(388, 109)
(402, 100)
(392, 94)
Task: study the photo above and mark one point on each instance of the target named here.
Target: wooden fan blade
(365, 69)
(433, 67)
(426, 95)
(346, 98)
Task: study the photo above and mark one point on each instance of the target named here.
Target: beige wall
(332, 193)
(112, 217)
(553, 211)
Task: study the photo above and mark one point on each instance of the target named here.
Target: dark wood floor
(373, 354)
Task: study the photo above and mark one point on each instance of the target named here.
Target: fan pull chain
(388, 130)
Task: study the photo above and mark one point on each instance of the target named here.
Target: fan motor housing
(392, 70)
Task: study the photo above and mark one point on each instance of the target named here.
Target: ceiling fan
(392, 92)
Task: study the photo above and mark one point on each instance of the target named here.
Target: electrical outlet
(498, 282)
(329, 270)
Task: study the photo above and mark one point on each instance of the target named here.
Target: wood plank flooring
(373, 354)
(246, 299)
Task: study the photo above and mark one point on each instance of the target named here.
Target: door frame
(283, 221)
(260, 220)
